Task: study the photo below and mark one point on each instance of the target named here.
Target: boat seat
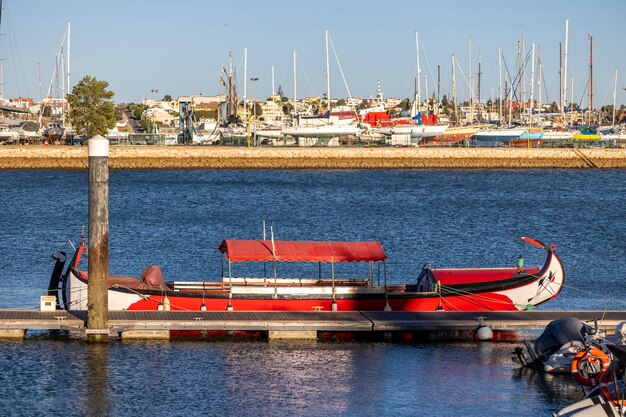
(152, 277)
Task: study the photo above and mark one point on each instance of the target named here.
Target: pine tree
(92, 112)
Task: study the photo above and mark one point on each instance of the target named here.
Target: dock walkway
(14, 323)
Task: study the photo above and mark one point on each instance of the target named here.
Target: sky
(178, 47)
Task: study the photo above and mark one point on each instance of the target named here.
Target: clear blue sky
(178, 47)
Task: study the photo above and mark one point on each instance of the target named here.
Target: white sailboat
(327, 129)
(416, 131)
(498, 135)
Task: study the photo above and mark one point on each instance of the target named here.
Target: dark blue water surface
(178, 218)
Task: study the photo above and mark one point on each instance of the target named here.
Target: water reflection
(97, 381)
(557, 389)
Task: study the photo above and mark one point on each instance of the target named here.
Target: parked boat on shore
(451, 136)
(480, 289)
(497, 136)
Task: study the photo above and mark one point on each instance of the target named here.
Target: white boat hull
(320, 131)
(415, 131)
(498, 135)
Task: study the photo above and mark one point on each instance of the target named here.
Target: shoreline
(222, 157)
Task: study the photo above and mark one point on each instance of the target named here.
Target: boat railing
(226, 282)
(302, 282)
(206, 286)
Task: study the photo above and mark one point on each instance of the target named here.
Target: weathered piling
(97, 294)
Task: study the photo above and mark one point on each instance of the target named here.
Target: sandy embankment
(213, 157)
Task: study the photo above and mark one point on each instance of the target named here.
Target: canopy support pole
(229, 307)
(333, 305)
(275, 282)
(387, 306)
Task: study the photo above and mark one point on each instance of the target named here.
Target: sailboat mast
(1, 65)
(523, 78)
(418, 97)
(518, 88)
(479, 74)
(590, 77)
(68, 85)
(539, 72)
(295, 91)
(565, 68)
(561, 77)
(456, 115)
(500, 83)
(245, 85)
(471, 80)
(614, 98)
(273, 90)
(532, 86)
(327, 76)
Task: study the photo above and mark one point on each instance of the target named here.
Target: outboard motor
(55, 278)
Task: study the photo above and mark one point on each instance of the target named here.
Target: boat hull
(415, 131)
(320, 131)
(497, 135)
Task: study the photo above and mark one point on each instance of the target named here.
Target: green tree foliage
(146, 124)
(405, 104)
(118, 113)
(138, 112)
(92, 111)
(167, 97)
(256, 106)
(340, 102)
(287, 108)
(46, 112)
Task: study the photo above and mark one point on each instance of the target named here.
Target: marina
(314, 209)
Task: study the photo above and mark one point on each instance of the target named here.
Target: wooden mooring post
(97, 293)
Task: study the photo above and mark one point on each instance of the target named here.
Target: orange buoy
(585, 361)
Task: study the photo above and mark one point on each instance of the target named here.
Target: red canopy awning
(298, 251)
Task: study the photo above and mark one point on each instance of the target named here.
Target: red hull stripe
(486, 302)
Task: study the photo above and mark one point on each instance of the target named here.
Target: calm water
(178, 218)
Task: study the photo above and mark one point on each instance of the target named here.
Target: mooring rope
(569, 287)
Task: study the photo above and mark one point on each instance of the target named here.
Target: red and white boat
(509, 288)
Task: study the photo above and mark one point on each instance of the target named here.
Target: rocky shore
(213, 157)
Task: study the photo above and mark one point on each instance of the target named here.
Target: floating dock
(293, 324)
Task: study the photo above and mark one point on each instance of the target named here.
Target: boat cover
(453, 276)
(301, 251)
(558, 332)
